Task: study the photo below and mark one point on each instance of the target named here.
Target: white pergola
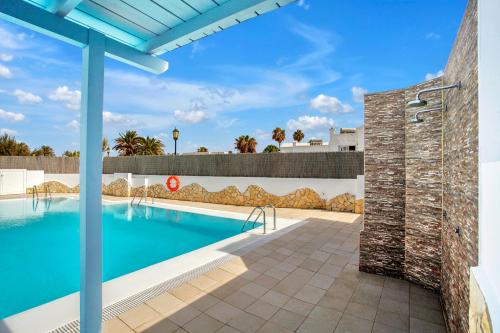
(135, 32)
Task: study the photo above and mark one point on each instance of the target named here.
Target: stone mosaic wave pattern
(254, 195)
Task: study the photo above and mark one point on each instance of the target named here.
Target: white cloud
(226, 123)
(11, 40)
(262, 135)
(74, 124)
(5, 72)
(64, 94)
(432, 35)
(430, 76)
(196, 47)
(117, 119)
(11, 116)
(304, 4)
(6, 57)
(358, 94)
(7, 131)
(329, 104)
(193, 116)
(310, 122)
(25, 97)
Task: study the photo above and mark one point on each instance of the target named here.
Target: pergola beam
(198, 23)
(40, 20)
(63, 7)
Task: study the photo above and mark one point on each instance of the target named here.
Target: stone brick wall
(382, 241)
(460, 191)
(423, 214)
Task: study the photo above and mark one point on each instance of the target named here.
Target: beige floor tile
(287, 319)
(311, 264)
(392, 319)
(298, 306)
(158, 326)
(381, 328)
(334, 303)
(321, 281)
(184, 315)
(234, 268)
(311, 325)
(270, 327)
(391, 305)
(115, 325)
(166, 304)
(350, 324)
(320, 255)
(361, 311)
(204, 283)
(277, 274)
(205, 302)
(254, 289)
(262, 309)
(310, 294)
(228, 329)
(139, 315)
(275, 298)
(330, 270)
(266, 281)
(220, 275)
(426, 314)
(187, 292)
(421, 326)
(223, 312)
(240, 299)
(247, 322)
(203, 324)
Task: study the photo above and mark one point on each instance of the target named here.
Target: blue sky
(304, 66)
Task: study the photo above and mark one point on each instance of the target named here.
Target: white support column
(90, 184)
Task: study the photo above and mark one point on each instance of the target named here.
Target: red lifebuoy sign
(173, 183)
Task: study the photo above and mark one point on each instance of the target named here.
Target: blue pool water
(39, 246)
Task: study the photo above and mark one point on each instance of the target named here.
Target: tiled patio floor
(304, 281)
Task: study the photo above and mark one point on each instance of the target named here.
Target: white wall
(12, 181)
(34, 177)
(68, 179)
(488, 272)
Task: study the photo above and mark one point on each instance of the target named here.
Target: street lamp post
(175, 135)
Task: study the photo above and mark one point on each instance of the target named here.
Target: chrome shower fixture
(415, 119)
(418, 102)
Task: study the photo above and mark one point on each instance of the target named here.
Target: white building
(348, 139)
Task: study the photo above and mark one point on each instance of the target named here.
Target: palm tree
(22, 149)
(279, 135)
(298, 135)
(127, 144)
(203, 150)
(150, 146)
(44, 151)
(245, 144)
(69, 153)
(271, 149)
(8, 145)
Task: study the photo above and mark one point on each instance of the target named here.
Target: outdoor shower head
(415, 119)
(418, 102)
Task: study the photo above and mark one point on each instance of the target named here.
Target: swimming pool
(39, 245)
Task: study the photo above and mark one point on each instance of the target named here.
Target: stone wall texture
(460, 190)
(254, 195)
(424, 189)
(382, 241)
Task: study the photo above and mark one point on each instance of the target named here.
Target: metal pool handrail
(262, 212)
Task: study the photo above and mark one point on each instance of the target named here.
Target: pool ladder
(144, 196)
(262, 211)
